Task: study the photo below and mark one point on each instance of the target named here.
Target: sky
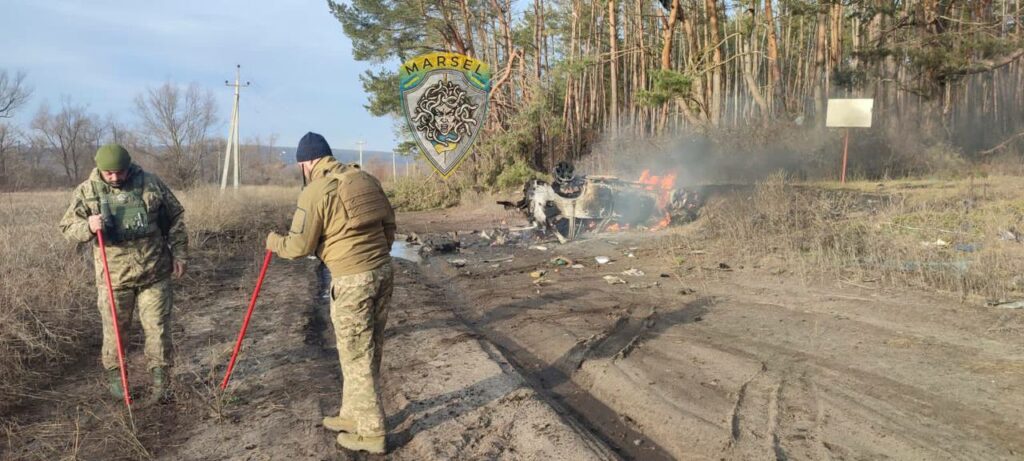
(103, 53)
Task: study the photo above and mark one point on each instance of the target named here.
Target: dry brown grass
(79, 433)
(48, 294)
(424, 192)
(879, 234)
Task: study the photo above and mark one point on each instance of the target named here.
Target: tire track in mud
(873, 400)
(777, 416)
(318, 316)
(804, 406)
(555, 381)
(451, 394)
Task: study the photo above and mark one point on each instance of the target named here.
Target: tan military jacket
(342, 215)
(141, 261)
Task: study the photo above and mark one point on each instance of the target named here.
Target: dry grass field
(48, 294)
(964, 236)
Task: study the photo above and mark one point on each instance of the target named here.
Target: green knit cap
(113, 157)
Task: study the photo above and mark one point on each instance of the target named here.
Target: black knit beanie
(311, 147)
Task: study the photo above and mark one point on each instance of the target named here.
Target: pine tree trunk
(716, 73)
(819, 68)
(775, 82)
(614, 58)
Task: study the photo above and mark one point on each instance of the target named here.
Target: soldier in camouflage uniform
(144, 230)
(344, 216)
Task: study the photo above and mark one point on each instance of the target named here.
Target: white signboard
(849, 113)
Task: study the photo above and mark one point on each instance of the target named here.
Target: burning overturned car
(572, 204)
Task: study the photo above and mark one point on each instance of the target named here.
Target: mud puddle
(404, 250)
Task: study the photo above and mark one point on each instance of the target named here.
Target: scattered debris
(603, 259)
(458, 262)
(539, 247)
(532, 226)
(633, 272)
(538, 273)
(613, 280)
(500, 260)
(499, 236)
(724, 267)
(440, 245)
(630, 255)
(1007, 304)
(1009, 235)
(642, 286)
(968, 247)
(561, 261)
(939, 243)
(687, 291)
(954, 266)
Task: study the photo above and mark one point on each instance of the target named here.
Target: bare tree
(14, 93)
(116, 132)
(177, 123)
(72, 135)
(9, 136)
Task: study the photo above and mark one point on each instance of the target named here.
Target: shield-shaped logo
(444, 98)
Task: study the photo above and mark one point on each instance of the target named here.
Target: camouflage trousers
(359, 311)
(153, 303)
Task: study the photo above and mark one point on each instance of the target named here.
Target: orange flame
(654, 182)
(663, 186)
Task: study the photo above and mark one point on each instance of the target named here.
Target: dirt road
(448, 394)
(703, 360)
(694, 359)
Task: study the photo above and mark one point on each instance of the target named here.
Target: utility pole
(394, 166)
(231, 151)
(360, 143)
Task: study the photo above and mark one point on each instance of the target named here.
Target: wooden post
(846, 145)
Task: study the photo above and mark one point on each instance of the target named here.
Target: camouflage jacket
(343, 216)
(142, 260)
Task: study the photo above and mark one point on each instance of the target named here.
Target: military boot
(339, 424)
(356, 442)
(159, 390)
(114, 383)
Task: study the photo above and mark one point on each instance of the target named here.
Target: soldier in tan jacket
(345, 218)
(144, 229)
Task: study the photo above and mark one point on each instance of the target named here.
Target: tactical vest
(125, 213)
(362, 197)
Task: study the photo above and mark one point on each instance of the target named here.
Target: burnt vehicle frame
(572, 204)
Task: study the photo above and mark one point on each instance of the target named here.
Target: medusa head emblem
(444, 100)
(443, 114)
